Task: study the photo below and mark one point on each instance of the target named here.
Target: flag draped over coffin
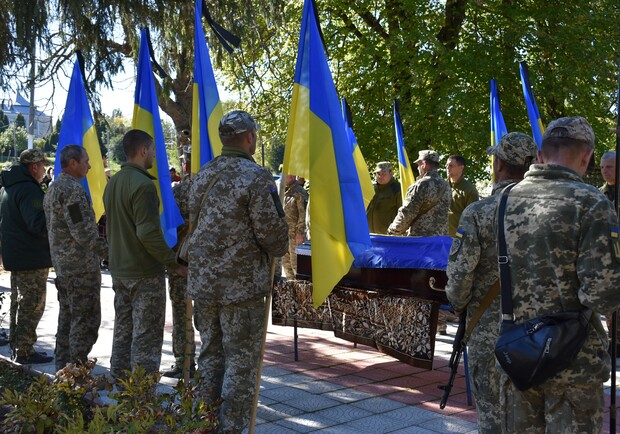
(317, 148)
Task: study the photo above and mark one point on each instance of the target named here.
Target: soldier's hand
(299, 238)
(181, 270)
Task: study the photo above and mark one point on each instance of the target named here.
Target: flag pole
(614, 316)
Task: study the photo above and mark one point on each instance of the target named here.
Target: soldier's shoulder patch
(75, 213)
(459, 233)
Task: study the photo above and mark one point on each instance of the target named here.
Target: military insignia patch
(75, 213)
(456, 242)
(615, 242)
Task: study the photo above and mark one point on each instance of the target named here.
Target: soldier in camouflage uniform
(138, 255)
(425, 210)
(25, 251)
(239, 229)
(564, 255)
(295, 213)
(76, 250)
(472, 271)
(387, 199)
(177, 285)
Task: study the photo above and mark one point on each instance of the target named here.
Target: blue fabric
(429, 253)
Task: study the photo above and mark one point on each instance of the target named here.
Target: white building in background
(42, 121)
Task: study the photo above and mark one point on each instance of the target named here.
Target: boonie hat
(236, 122)
(383, 166)
(427, 155)
(31, 156)
(575, 128)
(515, 148)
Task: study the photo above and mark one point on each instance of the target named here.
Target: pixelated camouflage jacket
(564, 253)
(74, 239)
(295, 209)
(181, 197)
(238, 229)
(472, 270)
(425, 210)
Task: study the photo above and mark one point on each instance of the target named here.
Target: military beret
(383, 166)
(236, 122)
(31, 156)
(575, 128)
(427, 155)
(515, 148)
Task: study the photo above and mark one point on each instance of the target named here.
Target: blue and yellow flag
(317, 148)
(206, 105)
(146, 118)
(532, 109)
(404, 166)
(368, 190)
(78, 128)
(498, 126)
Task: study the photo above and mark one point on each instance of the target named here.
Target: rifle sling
(484, 304)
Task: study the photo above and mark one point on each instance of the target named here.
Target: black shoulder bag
(533, 351)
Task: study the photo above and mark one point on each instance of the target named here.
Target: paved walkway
(333, 388)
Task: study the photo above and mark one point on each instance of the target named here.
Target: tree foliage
(13, 140)
(436, 58)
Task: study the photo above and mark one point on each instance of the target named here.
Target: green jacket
(136, 242)
(383, 207)
(463, 193)
(22, 221)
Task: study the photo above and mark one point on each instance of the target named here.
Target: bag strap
(484, 305)
(192, 224)
(502, 259)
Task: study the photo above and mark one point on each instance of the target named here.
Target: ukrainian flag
(206, 105)
(406, 173)
(78, 128)
(368, 191)
(498, 126)
(146, 118)
(532, 109)
(317, 148)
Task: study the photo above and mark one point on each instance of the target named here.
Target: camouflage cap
(31, 156)
(383, 166)
(427, 155)
(515, 148)
(236, 122)
(575, 128)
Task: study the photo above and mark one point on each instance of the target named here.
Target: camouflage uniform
(383, 207)
(295, 215)
(177, 285)
(138, 255)
(564, 253)
(28, 293)
(425, 210)
(76, 249)
(463, 193)
(472, 271)
(238, 230)
(610, 192)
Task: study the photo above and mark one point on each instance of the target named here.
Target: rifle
(458, 346)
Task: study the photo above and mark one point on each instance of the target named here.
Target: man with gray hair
(239, 228)
(76, 250)
(387, 199)
(472, 271)
(608, 172)
(25, 251)
(425, 210)
(563, 253)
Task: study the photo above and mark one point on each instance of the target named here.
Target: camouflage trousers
(79, 317)
(177, 287)
(289, 260)
(552, 407)
(28, 291)
(140, 313)
(485, 386)
(231, 344)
